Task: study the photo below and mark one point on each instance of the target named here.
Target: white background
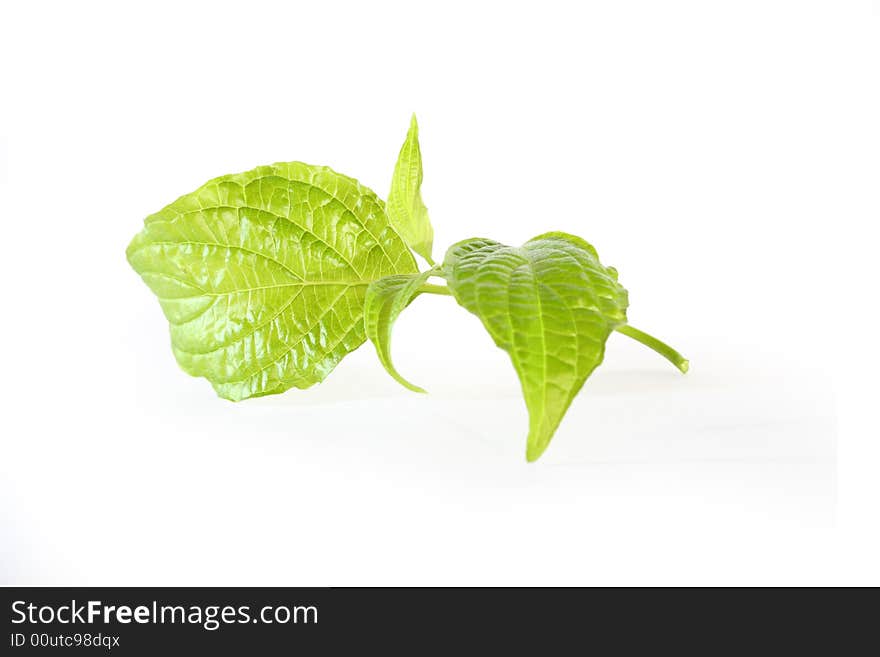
(723, 156)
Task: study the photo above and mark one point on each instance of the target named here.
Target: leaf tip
(410, 386)
(531, 456)
(534, 450)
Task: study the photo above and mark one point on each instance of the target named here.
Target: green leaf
(262, 275)
(386, 298)
(406, 210)
(551, 305)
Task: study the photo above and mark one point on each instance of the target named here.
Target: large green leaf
(263, 274)
(386, 298)
(405, 207)
(551, 305)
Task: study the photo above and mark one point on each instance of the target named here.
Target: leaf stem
(661, 348)
(430, 288)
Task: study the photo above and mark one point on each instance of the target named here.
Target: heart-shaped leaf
(262, 275)
(551, 305)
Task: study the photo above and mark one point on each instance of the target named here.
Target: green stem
(430, 288)
(661, 348)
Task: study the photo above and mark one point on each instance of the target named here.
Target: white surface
(723, 157)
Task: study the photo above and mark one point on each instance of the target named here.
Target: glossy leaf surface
(262, 275)
(551, 305)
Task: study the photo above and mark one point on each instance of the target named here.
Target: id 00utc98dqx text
(77, 640)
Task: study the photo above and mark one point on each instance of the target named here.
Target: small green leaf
(551, 305)
(406, 210)
(386, 298)
(262, 275)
